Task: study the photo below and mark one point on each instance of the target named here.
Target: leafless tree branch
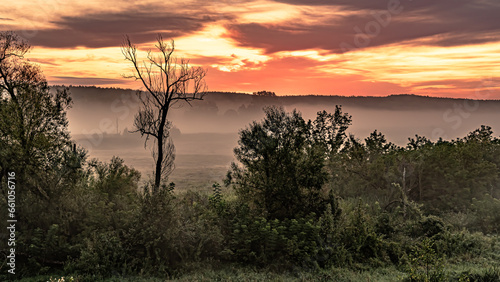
(167, 81)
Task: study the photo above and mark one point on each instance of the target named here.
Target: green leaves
(283, 160)
(33, 124)
(261, 241)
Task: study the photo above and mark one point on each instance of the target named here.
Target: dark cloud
(465, 38)
(104, 30)
(333, 37)
(72, 80)
(356, 5)
(43, 61)
(446, 23)
(465, 84)
(6, 19)
(440, 23)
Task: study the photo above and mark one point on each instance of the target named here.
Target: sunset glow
(443, 48)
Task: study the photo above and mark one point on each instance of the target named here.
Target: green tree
(34, 138)
(455, 172)
(36, 146)
(283, 161)
(363, 168)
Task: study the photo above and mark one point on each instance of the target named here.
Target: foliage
(489, 275)
(259, 241)
(283, 160)
(425, 263)
(487, 215)
(445, 176)
(35, 145)
(34, 138)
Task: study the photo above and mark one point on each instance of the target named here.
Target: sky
(445, 48)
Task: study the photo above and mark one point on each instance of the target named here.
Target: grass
(248, 274)
(236, 272)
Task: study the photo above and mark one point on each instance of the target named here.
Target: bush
(291, 241)
(425, 263)
(102, 255)
(489, 275)
(464, 243)
(358, 236)
(170, 231)
(487, 214)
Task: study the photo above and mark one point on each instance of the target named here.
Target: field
(201, 159)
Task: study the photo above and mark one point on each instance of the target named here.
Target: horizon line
(292, 95)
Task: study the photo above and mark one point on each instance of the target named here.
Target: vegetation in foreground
(304, 202)
(100, 227)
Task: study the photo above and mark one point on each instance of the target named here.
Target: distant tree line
(264, 93)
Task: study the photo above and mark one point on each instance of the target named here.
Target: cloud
(208, 60)
(470, 84)
(355, 5)
(368, 24)
(325, 24)
(67, 80)
(108, 29)
(298, 75)
(288, 46)
(330, 37)
(44, 61)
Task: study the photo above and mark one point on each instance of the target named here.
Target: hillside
(398, 116)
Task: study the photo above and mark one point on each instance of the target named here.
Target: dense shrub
(487, 215)
(261, 241)
(489, 275)
(425, 263)
(463, 243)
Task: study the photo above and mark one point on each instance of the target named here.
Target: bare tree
(12, 51)
(168, 80)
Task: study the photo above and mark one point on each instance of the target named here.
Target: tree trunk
(160, 142)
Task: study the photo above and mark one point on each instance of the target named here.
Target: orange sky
(446, 48)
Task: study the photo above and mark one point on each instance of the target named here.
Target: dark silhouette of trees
(283, 161)
(168, 80)
(34, 138)
(264, 93)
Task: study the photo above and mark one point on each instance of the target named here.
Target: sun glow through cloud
(287, 46)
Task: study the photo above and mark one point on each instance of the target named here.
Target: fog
(205, 133)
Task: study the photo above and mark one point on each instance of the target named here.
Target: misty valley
(206, 133)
